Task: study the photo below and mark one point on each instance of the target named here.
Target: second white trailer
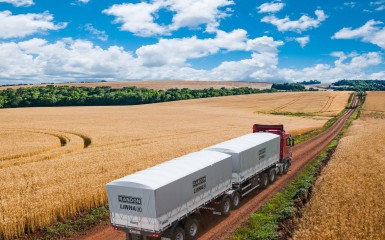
(252, 154)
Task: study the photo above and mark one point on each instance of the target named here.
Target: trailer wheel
(179, 234)
(264, 180)
(286, 167)
(225, 206)
(272, 175)
(191, 228)
(236, 200)
(128, 237)
(280, 170)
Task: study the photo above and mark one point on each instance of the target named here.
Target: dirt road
(214, 227)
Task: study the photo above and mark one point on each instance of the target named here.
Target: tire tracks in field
(278, 109)
(328, 104)
(62, 140)
(69, 142)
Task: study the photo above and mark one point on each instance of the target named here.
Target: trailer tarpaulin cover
(153, 198)
(251, 153)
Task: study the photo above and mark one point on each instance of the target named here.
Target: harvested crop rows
(306, 103)
(328, 104)
(348, 198)
(283, 106)
(86, 147)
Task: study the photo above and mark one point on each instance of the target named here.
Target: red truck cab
(286, 140)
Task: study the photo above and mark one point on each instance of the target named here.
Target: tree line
(49, 96)
(310, 82)
(288, 87)
(359, 85)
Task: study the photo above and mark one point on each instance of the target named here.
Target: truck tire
(129, 236)
(225, 206)
(286, 165)
(191, 228)
(264, 180)
(178, 234)
(280, 170)
(236, 200)
(272, 175)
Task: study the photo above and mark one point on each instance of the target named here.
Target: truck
(167, 201)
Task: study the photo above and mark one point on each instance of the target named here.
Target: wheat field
(43, 180)
(15, 144)
(348, 199)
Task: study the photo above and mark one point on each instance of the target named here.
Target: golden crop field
(100, 144)
(348, 199)
(16, 145)
(318, 104)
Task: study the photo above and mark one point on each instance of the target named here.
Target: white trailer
(254, 159)
(164, 200)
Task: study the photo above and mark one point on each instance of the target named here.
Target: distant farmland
(348, 199)
(56, 160)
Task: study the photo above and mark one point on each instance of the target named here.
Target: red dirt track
(214, 227)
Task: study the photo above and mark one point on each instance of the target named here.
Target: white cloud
(22, 25)
(347, 66)
(38, 60)
(101, 35)
(370, 32)
(264, 67)
(80, 2)
(261, 66)
(303, 41)
(193, 13)
(350, 4)
(69, 60)
(302, 24)
(271, 7)
(176, 51)
(15, 64)
(263, 45)
(19, 3)
(377, 3)
(140, 18)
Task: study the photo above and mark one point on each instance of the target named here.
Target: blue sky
(222, 40)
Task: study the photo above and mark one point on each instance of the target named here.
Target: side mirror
(290, 141)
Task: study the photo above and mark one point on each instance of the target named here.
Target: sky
(220, 40)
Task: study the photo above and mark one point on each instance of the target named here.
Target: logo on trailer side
(125, 200)
(262, 153)
(199, 184)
